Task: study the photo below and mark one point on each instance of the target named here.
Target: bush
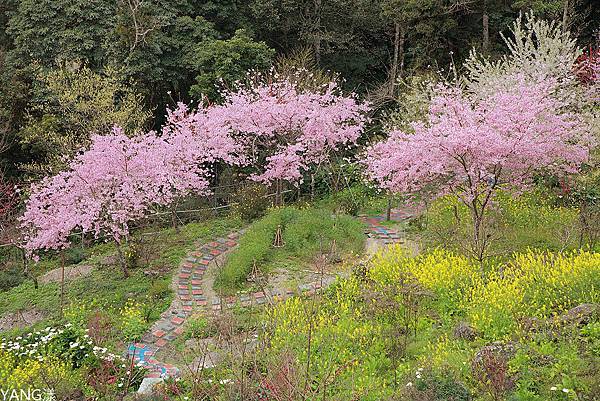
(533, 284)
(351, 200)
(132, 321)
(11, 277)
(251, 202)
(539, 285)
(448, 276)
(74, 255)
(429, 386)
(64, 360)
(198, 328)
(350, 352)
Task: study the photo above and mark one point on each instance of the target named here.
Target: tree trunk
(312, 187)
(174, 218)
(62, 282)
(26, 268)
(388, 213)
(278, 194)
(317, 32)
(479, 245)
(486, 28)
(565, 17)
(398, 59)
(401, 50)
(122, 261)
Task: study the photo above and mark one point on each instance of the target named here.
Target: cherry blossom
(286, 130)
(273, 126)
(118, 180)
(472, 147)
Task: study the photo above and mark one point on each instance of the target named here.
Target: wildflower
(565, 390)
(409, 384)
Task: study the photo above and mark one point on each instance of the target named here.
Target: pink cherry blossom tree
(470, 148)
(119, 180)
(287, 130)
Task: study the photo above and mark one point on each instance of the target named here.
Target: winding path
(191, 292)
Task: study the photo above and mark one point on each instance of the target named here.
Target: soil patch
(71, 273)
(20, 319)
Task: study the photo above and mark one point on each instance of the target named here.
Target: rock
(20, 319)
(148, 384)
(497, 349)
(532, 324)
(580, 314)
(110, 260)
(207, 361)
(71, 273)
(464, 331)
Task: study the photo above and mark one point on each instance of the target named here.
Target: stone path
(191, 289)
(189, 298)
(382, 234)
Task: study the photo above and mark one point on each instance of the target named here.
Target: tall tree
(223, 62)
(74, 104)
(53, 32)
(471, 148)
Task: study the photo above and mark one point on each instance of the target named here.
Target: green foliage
(415, 93)
(351, 329)
(11, 277)
(514, 224)
(65, 361)
(436, 386)
(251, 202)
(349, 349)
(155, 44)
(538, 285)
(227, 61)
(58, 32)
(352, 200)
(305, 232)
(104, 290)
(198, 328)
(132, 323)
(74, 104)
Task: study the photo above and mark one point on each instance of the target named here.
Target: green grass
(306, 233)
(514, 223)
(106, 289)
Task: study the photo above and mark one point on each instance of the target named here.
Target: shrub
(536, 284)
(74, 255)
(64, 360)
(313, 231)
(132, 322)
(432, 386)
(10, 277)
(348, 352)
(351, 200)
(198, 328)
(448, 276)
(254, 247)
(251, 202)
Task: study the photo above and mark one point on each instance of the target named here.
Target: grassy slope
(306, 233)
(106, 286)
